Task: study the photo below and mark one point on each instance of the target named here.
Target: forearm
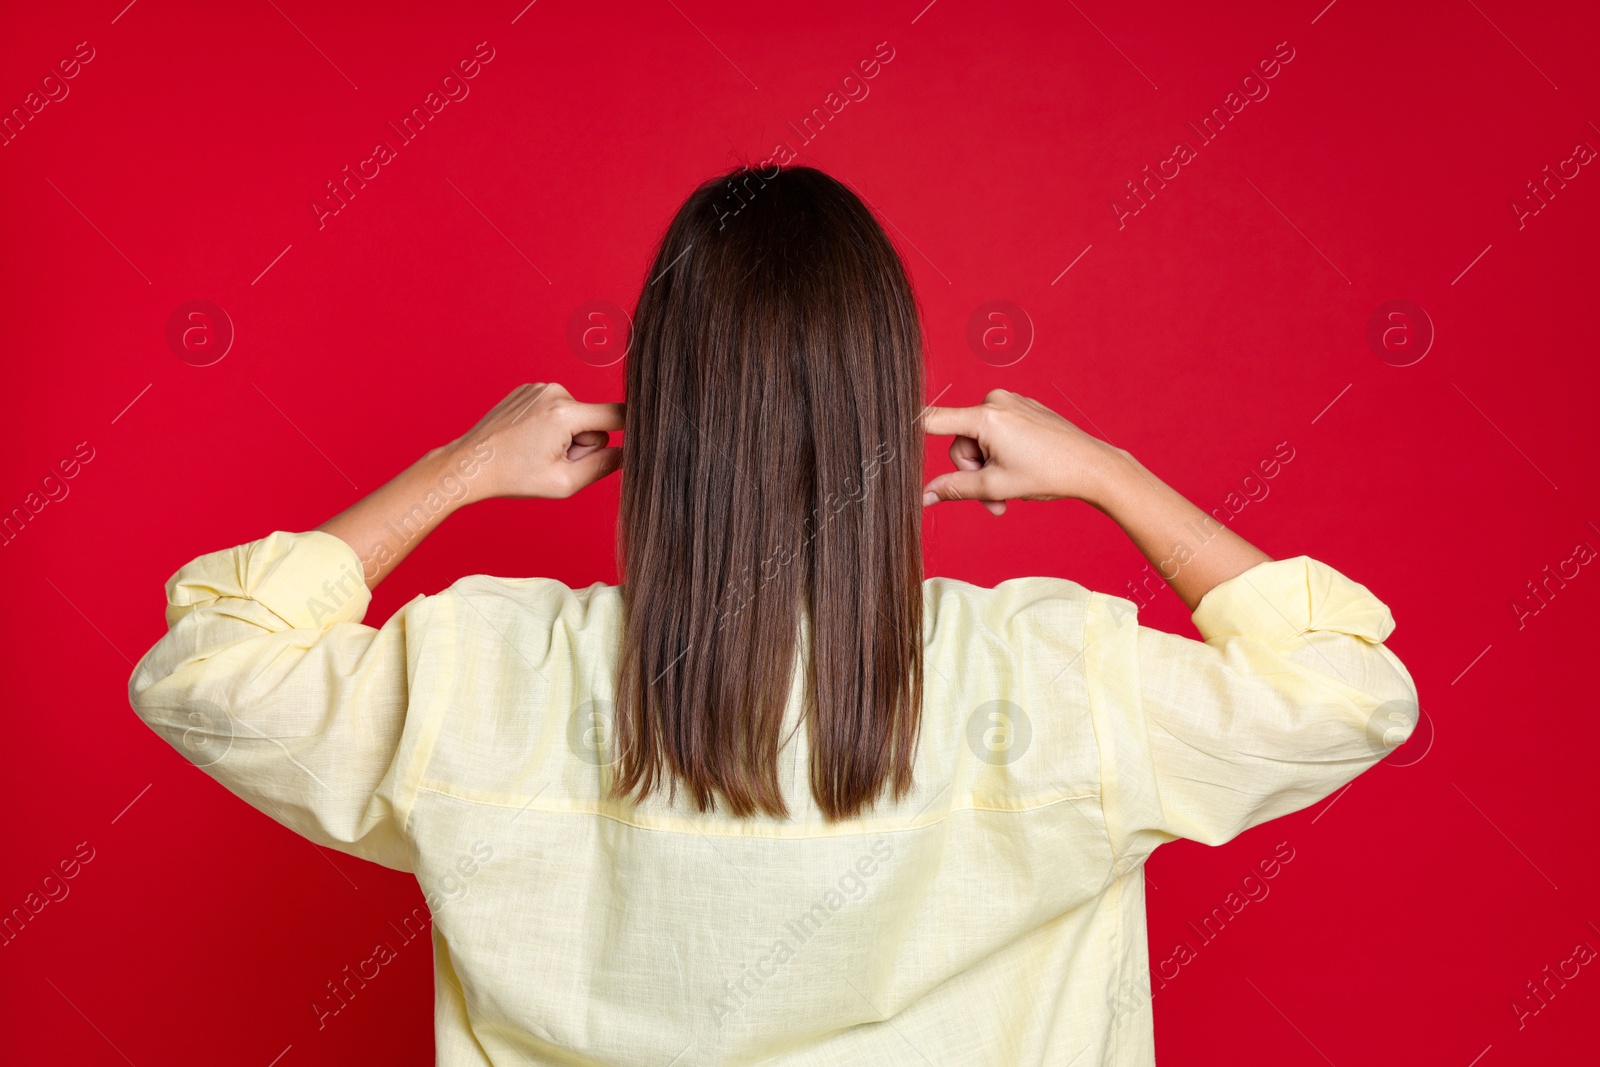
(385, 526)
(1186, 546)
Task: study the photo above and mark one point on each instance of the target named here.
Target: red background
(1228, 316)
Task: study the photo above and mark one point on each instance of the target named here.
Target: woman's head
(772, 467)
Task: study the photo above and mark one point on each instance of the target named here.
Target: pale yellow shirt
(996, 916)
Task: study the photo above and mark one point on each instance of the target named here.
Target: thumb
(956, 485)
(596, 465)
(962, 485)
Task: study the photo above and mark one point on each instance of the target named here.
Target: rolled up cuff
(1277, 600)
(310, 580)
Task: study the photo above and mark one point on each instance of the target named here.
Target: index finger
(943, 422)
(598, 416)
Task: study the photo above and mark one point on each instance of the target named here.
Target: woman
(776, 798)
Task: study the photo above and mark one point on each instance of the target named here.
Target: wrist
(459, 473)
(1114, 472)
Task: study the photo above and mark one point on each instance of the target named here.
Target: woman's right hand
(1011, 447)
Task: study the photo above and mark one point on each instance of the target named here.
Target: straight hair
(771, 485)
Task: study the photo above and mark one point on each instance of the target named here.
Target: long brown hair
(772, 467)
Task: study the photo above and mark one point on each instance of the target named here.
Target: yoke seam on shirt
(684, 826)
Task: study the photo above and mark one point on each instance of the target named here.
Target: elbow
(146, 698)
(1395, 711)
(1391, 724)
(146, 692)
(1376, 707)
(153, 698)
(139, 684)
(200, 729)
(164, 687)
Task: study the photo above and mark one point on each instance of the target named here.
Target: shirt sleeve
(268, 681)
(1289, 696)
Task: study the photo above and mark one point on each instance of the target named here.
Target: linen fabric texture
(995, 916)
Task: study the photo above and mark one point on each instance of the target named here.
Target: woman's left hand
(541, 443)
